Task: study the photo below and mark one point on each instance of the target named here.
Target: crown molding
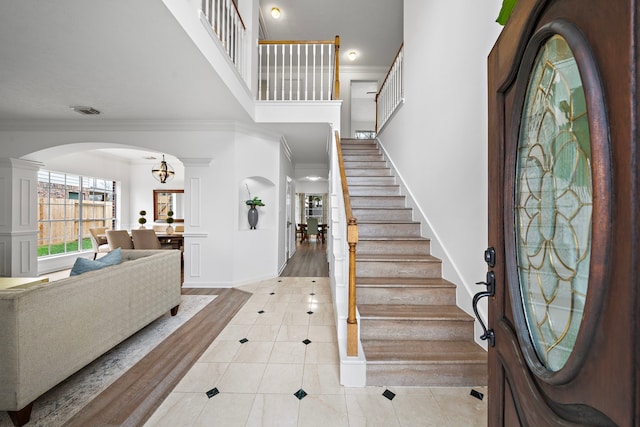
(98, 125)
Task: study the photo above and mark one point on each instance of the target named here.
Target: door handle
(491, 291)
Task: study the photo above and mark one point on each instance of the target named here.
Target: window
(68, 206)
(365, 134)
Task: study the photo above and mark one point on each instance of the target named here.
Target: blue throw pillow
(112, 258)
(82, 265)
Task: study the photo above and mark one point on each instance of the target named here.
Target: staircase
(412, 332)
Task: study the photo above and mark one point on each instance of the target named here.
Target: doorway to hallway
(310, 260)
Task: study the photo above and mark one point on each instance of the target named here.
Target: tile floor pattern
(274, 379)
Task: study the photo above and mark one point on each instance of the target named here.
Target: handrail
(235, 6)
(391, 92)
(389, 70)
(296, 42)
(298, 70)
(227, 25)
(352, 240)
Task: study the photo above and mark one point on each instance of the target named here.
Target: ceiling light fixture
(275, 12)
(88, 111)
(352, 55)
(163, 172)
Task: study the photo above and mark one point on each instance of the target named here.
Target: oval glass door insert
(553, 203)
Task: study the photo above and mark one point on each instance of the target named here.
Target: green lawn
(60, 247)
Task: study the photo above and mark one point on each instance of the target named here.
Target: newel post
(352, 322)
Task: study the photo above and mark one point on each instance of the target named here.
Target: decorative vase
(169, 230)
(253, 217)
(142, 227)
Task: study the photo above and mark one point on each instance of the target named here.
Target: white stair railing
(227, 24)
(298, 70)
(391, 93)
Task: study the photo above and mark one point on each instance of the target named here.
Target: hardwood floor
(310, 260)
(135, 396)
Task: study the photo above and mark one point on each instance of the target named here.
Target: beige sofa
(50, 330)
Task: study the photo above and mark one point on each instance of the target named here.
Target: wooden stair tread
(392, 238)
(387, 221)
(412, 312)
(397, 258)
(438, 352)
(399, 282)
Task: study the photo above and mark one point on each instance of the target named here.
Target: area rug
(59, 404)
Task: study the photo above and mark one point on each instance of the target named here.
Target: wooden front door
(563, 215)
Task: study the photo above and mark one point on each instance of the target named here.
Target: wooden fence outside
(59, 219)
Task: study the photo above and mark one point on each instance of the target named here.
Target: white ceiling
(131, 61)
(373, 28)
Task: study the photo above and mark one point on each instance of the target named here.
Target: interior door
(563, 208)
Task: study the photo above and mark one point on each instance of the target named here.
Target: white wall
(347, 75)
(217, 158)
(438, 139)
(141, 185)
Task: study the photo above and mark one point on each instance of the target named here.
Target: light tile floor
(256, 380)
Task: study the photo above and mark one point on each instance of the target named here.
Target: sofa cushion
(82, 265)
(112, 258)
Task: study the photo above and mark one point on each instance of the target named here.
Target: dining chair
(119, 239)
(98, 240)
(312, 228)
(145, 239)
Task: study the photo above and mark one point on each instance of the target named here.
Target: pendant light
(163, 172)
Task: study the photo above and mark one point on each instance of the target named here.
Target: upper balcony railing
(298, 70)
(391, 93)
(227, 24)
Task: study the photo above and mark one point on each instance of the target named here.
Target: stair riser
(398, 269)
(365, 151)
(374, 190)
(406, 296)
(371, 180)
(368, 172)
(400, 214)
(372, 329)
(389, 229)
(393, 247)
(364, 157)
(359, 146)
(381, 201)
(425, 375)
(364, 165)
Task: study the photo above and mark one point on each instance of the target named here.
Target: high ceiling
(373, 28)
(131, 61)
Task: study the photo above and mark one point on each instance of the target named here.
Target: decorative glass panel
(553, 203)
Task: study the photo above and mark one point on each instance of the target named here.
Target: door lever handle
(491, 290)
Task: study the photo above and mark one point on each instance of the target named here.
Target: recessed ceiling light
(275, 12)
(352, 55)
(313, 178)
(90, 111)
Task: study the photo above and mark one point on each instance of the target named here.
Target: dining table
(322, 231)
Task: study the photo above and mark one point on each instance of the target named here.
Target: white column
(197, 223)
(18, 218)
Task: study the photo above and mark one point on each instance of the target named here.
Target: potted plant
(253, 212)
(142, 220)
(169, 221)
(254, 202)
